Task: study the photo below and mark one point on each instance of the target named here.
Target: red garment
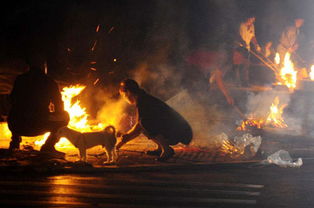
(207, 60)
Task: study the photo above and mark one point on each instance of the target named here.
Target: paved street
(220, 185)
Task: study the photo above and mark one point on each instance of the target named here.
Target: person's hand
(122, 142)
(258, 48)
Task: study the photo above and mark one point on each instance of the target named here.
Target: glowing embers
(251, 122)
(273, 119)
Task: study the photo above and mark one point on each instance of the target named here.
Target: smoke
(161, 80)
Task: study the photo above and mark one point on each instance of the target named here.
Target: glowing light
(288, 76)
(275, 116)
(312, 72)
(277, 58)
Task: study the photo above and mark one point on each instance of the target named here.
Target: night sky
(136, 31)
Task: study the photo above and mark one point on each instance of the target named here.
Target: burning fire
(312, 73)
(251, 122)
(273, 119)
(78, 116)
(275, 116)
(277, 58)
(287, 74)
(228, 148)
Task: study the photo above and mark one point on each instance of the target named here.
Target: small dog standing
(83, 141)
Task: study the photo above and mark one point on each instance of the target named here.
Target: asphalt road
(225, 185)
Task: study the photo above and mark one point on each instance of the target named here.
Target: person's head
(129, 90)
(298, 22)
(36, 62)
(268, 44)
(250, 20)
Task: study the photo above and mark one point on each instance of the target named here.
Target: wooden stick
(237, 109)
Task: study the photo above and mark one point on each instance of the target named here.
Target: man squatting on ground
(32, 94)
(156, 120)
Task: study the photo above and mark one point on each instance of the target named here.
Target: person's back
(32, 94)
(157, 117)
(30, 115)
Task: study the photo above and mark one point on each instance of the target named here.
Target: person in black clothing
(36, 108)
(156, 120)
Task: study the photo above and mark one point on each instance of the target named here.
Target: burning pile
(273, 119)
(79, 119)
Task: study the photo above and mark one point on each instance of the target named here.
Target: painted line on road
(74, 187)
(59, 195)
(161, 182)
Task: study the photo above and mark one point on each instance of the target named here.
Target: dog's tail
(110, 130)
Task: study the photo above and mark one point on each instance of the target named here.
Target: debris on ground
(283, 159)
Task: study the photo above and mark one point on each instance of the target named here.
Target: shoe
(52, 151)
(166, 155)
(14, 146)
(156, 152)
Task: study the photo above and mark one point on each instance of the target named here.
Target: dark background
(153, 31)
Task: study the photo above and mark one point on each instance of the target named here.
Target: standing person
(241, 53)
(213, 64)
(36, 107)
(289, 39)
(156, 120)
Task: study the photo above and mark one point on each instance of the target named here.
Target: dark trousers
(36, 126)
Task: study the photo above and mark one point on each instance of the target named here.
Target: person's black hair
(129, 85)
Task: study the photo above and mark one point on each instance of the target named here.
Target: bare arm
(222, 87)
(132, 134)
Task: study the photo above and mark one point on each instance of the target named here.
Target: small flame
(97, 28)
(227, 148)
(277, 58)
(275, 116)
(94, 45)
(312, 72)
(257, 123)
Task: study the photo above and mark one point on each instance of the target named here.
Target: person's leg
(50, 142)
(166, 151)
(156, 152)
(15, 142)
(53, 138)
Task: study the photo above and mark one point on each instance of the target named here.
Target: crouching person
(32, 94)
(156, 120)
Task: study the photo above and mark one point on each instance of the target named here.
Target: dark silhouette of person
(156, 120)
(36, 107)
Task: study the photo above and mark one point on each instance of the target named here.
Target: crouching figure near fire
(36, 107)
(156, 120)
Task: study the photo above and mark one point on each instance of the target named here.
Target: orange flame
(275, 116)
(252, 122)
(288, 76)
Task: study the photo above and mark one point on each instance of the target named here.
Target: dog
(83, 141)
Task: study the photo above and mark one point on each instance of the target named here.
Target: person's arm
(15, 91)
(222, 87)
(254, 41)
(56, 97)
(132, 134)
